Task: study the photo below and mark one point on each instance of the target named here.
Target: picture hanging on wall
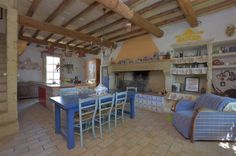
(192, 84)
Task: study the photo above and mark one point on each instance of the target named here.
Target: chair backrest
(121, 97)
(68, 91)
(87, 108)
(106, 103)
(135, 89)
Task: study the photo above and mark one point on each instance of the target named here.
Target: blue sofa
(204, 119)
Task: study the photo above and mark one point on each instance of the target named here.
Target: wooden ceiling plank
(27, 21)
(188, 11)
(38, 41)
(82, 13)
(79, 15)
(60, 39)
(108, 14)
(142, 11)
(122, 9)
(220, 5)
(164, 22)
(144, 33)
(60, 8)
(30, 12)
(226, 3)
(164, 13)
(71, 41)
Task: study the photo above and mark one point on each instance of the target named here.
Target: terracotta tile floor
(149, 134)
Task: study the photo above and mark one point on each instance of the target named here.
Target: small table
(70, 104)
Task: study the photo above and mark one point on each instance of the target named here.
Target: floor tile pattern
(150, 133)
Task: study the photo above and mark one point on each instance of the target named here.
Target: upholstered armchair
(205, 118)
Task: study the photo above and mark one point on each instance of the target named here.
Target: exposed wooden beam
(217, 6)
(161, 23)
(109, 13)
(60, 39)
(122, 9)
(60, 8)
(188, 11)
(142, 11)
(165, 13)
(38, 41)
(82, 13)
(71, 41)
(30, 12)
(27, 21)
(126, 33)
(79, 15)
(130, 37)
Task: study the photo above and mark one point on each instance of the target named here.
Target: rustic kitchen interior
(117, 77)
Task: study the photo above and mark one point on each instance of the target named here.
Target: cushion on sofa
(211, 101)
(182, 121)
(230, 107)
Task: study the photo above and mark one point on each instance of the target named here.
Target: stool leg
(115, 118)
(109, 122)
(100, 125)
(93, 127)
(81, 134)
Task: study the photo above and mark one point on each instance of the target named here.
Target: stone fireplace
(148, 77)
(145, 81)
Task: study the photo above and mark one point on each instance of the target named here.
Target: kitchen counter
(66, 85)
(46, 91)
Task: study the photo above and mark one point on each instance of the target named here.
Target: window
(52, 74)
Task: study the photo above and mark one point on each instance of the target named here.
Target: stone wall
(8, 119)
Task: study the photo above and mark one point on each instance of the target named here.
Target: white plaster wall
(34, 53)
(78, 67)
(212, 24)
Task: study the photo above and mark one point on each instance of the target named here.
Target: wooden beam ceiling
(30, 12)
(156, 5)
(43, 42)
(109, 13)
(106, 15)
(122, 9)
(27, 21)
(188, 12)
(76, 17)
(165, 13)
(61, 7)
(142, 11)
(199, 12)
(217, 6)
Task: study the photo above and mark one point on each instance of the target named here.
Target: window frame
(57, 81)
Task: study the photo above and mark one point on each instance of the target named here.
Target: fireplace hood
(163, 65)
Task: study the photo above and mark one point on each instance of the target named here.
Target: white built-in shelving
(191, 59)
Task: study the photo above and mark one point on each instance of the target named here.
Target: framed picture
(192, 84)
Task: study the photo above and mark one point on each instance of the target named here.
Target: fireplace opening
(145, 81)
